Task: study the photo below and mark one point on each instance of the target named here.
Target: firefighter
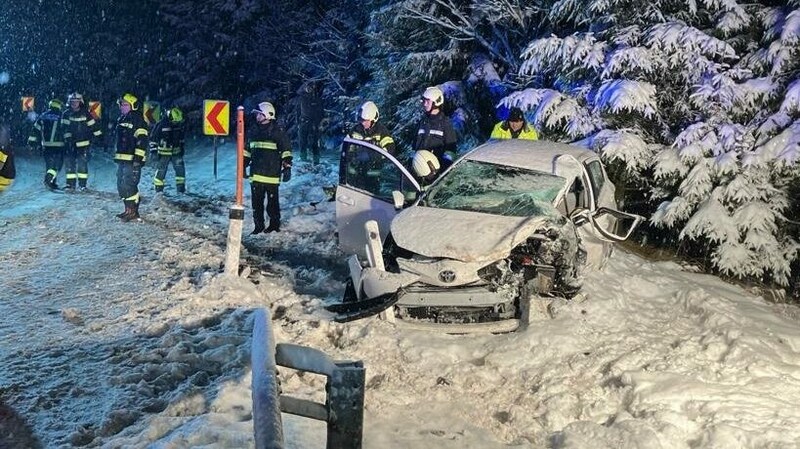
(366, 165)
(47, 133)
(80, 128)
(436, 133)
(369, 130)
(131, 147)
(7, 169)
(167, 140)
(268, 156)
(514, 127)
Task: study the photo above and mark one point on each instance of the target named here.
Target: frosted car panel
(495, 189)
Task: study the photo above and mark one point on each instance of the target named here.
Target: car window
(495, 189)
(596, 177)
(373, 172)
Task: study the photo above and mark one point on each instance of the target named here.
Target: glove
(153, 147)
(246, 173)
(286, 171)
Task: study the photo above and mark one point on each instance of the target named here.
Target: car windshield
(495, 189)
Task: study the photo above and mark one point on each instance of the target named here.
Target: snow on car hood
(461, 235)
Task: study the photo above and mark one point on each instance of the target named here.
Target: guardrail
(343, 409)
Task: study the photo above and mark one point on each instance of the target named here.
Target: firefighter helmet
(130, 99)
(55, 103)
(75, 97)
(266, 109)
(426, 164)
(175, 115)
(435, 95)
(369, 111)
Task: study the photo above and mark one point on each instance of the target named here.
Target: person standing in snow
(80, 128)
(167, 141)
(435, 136)
(131, 147)
(46, 132)
(268, 156)
(515, 127)
(310, 119)
(7, 170)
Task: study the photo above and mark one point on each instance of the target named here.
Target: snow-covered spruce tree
(695, 101)
(466, 47)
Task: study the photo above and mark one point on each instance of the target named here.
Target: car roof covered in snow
(529, 154)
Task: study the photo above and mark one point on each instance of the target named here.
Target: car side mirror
(398, 199)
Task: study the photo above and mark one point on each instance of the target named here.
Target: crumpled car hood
(461, 235)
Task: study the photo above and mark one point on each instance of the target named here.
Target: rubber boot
(134, 215)
(126, 211)
(274, 226)
(181, 188)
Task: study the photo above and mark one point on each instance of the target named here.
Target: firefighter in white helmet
(436, 134)
(369, 130)
(80, 129)
(268, 155)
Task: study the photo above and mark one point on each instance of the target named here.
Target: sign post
(236, 215)
(216, 122)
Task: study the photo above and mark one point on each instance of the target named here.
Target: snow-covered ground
(123, 335)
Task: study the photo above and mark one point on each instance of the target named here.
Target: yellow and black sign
(216, 117)
(152, 112)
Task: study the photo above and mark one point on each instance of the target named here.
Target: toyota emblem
(447, 276)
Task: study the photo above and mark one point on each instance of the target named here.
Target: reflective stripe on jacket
(131, 133)
(79, 127)
(267, 149)
(46, 130)
(377, 134)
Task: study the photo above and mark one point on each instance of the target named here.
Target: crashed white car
(510, 220)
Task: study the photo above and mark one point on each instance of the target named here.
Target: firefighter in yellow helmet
(131, 150)
(514, 127)
(167, 141)
(268, 155)
(80, 129)
(46, 132)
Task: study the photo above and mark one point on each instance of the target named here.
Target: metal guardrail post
(267, 422)
(344, 405)
(345, 390)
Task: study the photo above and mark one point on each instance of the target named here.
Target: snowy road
(125, 335)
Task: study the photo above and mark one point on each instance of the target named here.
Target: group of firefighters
(66, 137)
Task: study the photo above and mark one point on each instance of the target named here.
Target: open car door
(368, 176)
(590, 203)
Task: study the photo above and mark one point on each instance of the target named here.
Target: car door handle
(346, 200)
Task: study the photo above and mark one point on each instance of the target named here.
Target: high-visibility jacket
(131, 141)
(436, 134)
(7, 169)
(47, 130)
(502, 130)
(79, 128)
(168, 137)
(267, 151)
(377, 134)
